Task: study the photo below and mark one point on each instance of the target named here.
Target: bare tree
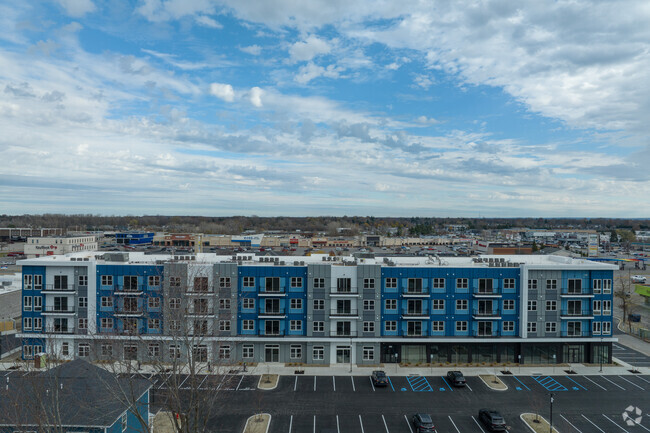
(623, 292)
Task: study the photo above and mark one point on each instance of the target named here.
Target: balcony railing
(344, 312)
(344, 292)
(495, 291)
(58, 288)
(128, 312)
(485, 334)
(199, 291)
(264, 333)
(58, 330)
(200, 311)
(495, 312)
(414, 312)
(129, 290)
(577, 313)
(279, 292)
(415, 334)
(68, 309)
(585, 291)
(343, 333)
(271, 312)
(575, 334)
(415, 292)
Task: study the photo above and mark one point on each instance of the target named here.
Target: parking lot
(630, 356)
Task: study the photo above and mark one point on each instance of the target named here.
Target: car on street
(422, 423)
(456, 378)
(379, 378)
(638, 279)
(492, 420)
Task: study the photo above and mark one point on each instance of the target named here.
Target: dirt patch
(258, 423)
(268, 381)
(163, 422)
(537, 423)
(493, 382)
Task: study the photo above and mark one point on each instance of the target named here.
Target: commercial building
(59, 245)
(134, 238)
(319, 309)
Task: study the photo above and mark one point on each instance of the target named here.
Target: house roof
(75, 393)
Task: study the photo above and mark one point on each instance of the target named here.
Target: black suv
(423, 423)
(492, 420)
(379, 378)
(456, 378)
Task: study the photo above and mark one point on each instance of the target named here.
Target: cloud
(77, 8)
(255, 96)
(254, 50)
(208, 22)
(222, 91)
(311, 71)
(23, 90)
(311, 47)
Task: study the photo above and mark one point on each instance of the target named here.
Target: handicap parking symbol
(443, 389)
(518, 388)
(403, 389)
(575, 388)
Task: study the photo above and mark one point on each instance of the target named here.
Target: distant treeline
(325, 224)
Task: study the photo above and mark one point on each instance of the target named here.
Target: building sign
(593, 245)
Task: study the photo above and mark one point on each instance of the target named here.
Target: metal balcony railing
(576, 313)
(58, 288)
(344, 312)
(485, 334)
(343, 333)
(575, 334)
(67, 309)
(495, 312)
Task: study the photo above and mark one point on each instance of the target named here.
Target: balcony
(343, 333)
(485, 334)
(196, 291)
(344, 312)
(415, 334)
(279, 292)
(486, 293)
(414, 293)
(576, 314)
(494, 313)
(584, 293)
(58, 289)
(49, 309)
(265, 313)
(128, 312)
(271, 333)
(343, 293)
(58, 330)
(413, 313)
(208, 311)
(575, 334)
(129, 290)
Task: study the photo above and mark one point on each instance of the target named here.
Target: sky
(336, 107)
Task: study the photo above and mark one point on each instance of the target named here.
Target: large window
(130, 283)
(414, 285)
(574, 286)
(272, 284)
(414, 329)
(485, 285)
(344, 285)
(201, 284)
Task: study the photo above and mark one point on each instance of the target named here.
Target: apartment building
(318, 309)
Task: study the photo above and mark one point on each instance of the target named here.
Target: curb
(491, 387)
(253, 416)
(532, 429)
(277, 380)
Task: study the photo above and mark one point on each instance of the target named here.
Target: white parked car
(638, 279)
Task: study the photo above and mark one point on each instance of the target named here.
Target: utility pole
(601, 354)
(551, 417)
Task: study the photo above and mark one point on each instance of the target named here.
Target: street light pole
(551, 417)
(601, 354)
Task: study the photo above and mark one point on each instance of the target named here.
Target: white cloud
(311, 47)
(255, 96)
(77, 8)
(222, 91)
(310, 71)
(254, 50)
(208, 22)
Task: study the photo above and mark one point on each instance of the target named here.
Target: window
(319, 326)
(607, 308)
(461, 326)
(438, 304)
(28, 351)
(574, 286)
(532, 284)
(296, 282)
(38, 323)
(82, 280)
(319, 304)
(248, 303)
(154, 280)
(174, 351)
(154, 302)
(83, 350)
(295, 325)
(295, 351)
(414, 285)
(224, 352)
(38, 303)
(249, 282)
(438, 326)
(596, 307)
(200, 284)
(368, 283)
(607, 286)
(38, 282)
(153, 324)
(153, 350)
(485, 285)
(595, 328)
(27, 303)
(106, 302)
(438, 283)
(27, 323)
(508, 326)
(598, 285)
(607, 328)
(272, 284)
(344, 285)
(224, 325)
(224, 282)
(390, 304)
(414, 329)
(368, 353)
(295, 304)
(391, 283)
(82, 301)
(248, 325)
(224, 304)
(174, 325)
(319, 283)
(390, 326)
(532, 327)
(82, 323)
(508, 304)
(107, 280)
(551, 284)
(106, 323)
(65, 349)
(248, 351)
(27, 282)
(551, 327)
(551, 305)
(508, 283)
(532, 305)
(461, 304)
(174, 281)
(106, 350)
(368, 326)
(319, 353)
(174, 303)
(462, 283)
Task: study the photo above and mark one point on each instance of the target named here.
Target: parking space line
(391, 383)
(470, 388)
(517, 379)
(454, 424)
(591, 422)
(291, 420)
(201, 384)
(549, 383)
(338, 429)
(444, 380)
(613, 383)
(479, 425)
(639, 377)
(314, 387)
(354, 389)
(640, 425)
(315, 420)
(408, 423)
(295, 383)
(179, 386)
(602, 387)
(384, 420)
(610, 420)
(576, 383)
(631, 383)
(419, 383)
(360, 423)
(334, 383)
(373, 385)
(239, 384)
(569, 422)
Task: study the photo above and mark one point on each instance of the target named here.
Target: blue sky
(288, 107)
